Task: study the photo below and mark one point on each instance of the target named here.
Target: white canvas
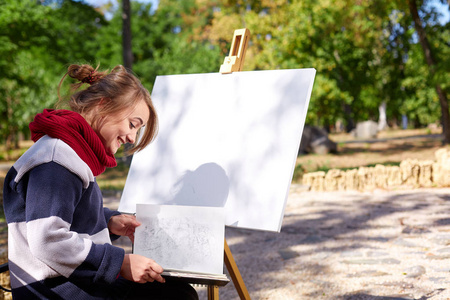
(184, 238)
(224, 140)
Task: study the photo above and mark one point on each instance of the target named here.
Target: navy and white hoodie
(59, 245)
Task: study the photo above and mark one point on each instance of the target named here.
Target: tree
(126, 35)
(365, 52)
(22, 25)
(38, 39)
(164, 41)
(430, 60)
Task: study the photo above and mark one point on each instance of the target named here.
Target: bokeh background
(382, 61)
(367, 53)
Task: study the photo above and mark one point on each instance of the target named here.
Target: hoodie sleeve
(108, 214)
(53, 200)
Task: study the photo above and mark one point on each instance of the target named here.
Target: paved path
(348, 245)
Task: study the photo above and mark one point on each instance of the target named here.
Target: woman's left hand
(123, 225)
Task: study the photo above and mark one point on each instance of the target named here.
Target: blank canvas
(224, 140)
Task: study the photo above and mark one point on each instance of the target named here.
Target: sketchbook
(187, 241)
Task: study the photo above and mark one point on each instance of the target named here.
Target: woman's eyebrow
(140, 120)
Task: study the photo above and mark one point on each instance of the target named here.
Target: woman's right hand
(141, 269)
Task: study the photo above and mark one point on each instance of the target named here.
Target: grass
(390, 149)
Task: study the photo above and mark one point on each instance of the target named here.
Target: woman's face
(122, 128)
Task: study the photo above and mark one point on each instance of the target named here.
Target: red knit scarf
(72, 128)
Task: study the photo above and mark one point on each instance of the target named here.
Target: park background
(385, 61)
(388, 56)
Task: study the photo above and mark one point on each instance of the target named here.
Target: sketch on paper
(181, 237)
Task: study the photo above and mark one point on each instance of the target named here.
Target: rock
(441, 254)
(377, 253)
(426, 173)
(389, 261)
(415, 271)
(315, 140)
(398, 284)
(410, 170)
(380, 176)
(351, 254)
(441, 269)
(312, 239)
(444, 250)
(368, 273)
(366, 130)
(404, 243)
(439, 280)
(362, 295)
(315, 180)
(351, 180)
(393, 176)
(442, 239)
(411, 173)
(441, 169)
(361, 262)
(287, 253)
(335, 180)
(366, 179)
(415, 230)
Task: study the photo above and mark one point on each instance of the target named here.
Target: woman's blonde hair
(115, 91)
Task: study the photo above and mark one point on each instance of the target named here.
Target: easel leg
(213, 292)
(235, 274)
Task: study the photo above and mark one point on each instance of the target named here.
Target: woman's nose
(131, 138)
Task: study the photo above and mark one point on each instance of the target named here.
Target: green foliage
(421, 103)
(299, 171)
(22, 85)
(37, 42)
(365, 52)
(165, 47)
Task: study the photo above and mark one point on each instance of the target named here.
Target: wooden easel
(233, 63)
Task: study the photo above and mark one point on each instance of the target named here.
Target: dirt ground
(381, 245)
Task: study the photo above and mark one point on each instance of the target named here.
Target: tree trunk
(445, 117)
(382, 123)
(127, 53)
(126, 35)
(350, 123)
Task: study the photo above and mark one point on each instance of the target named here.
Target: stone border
(411, 173)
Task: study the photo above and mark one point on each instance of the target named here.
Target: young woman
(59, 234)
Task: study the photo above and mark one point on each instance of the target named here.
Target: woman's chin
(112, 151)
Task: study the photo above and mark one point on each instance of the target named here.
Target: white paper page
(224, 140)
(188, 238)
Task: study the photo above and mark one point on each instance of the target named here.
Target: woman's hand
(141, 269)
(123, 225)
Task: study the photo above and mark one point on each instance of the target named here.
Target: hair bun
(85, 73)
(91, 78)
